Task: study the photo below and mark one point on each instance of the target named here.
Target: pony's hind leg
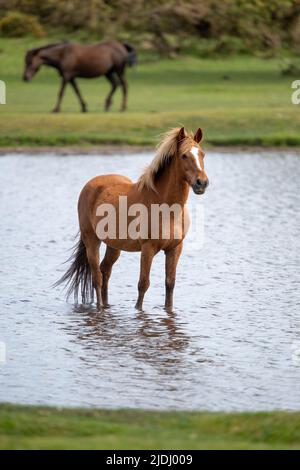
(92, 250)
(111, 256)
(123, 81)
(114, 84)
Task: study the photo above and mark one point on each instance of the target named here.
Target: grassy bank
(238, 101)
(51, 428)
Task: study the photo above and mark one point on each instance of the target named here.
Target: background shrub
(16, 24)
(253, 25)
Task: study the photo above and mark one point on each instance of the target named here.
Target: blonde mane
(166, 150)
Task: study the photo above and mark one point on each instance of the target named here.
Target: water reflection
(155, 338)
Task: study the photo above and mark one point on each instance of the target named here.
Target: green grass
(24, 427)
(237, 100)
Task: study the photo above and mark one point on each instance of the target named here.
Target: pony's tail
(132, 55)
(78, 277)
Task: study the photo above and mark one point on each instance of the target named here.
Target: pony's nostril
(201, 184)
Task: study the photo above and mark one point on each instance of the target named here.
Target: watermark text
(2, 92)
(296, 93)
(138, 221)
(2, 352)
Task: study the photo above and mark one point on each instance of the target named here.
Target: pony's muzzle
(200, 186)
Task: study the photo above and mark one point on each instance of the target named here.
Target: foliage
(16, 24)
(290, 67)
(258, 24)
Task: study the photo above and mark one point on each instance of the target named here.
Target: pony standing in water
(177, 166)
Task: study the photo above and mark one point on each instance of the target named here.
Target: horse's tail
(132, 55)
(78, 277)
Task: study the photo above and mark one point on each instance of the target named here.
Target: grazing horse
(177, 166)
(73, 60)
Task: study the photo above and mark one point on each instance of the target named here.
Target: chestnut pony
(177, 166)
(73, 60)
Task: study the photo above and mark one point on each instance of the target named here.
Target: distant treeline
(244, 25)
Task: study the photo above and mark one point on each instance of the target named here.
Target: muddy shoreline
(127, 149)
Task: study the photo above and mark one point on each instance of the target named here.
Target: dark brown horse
(73, 60)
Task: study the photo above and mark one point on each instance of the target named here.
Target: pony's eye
(184, 157)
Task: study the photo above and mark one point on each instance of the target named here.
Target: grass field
(237, 100)
(51, 428)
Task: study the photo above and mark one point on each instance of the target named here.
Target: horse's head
(33, 61)
(191, 160)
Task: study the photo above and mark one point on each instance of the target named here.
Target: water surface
(232, 341)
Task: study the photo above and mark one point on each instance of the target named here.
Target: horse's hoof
(55, 110)
(107, 106)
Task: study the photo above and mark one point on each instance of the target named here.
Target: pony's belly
(91, 71)
(136, 245)
(124, 245)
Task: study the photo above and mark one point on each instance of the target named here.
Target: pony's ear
(198, 136)
(181, 134)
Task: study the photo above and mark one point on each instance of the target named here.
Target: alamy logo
(159, 221)
(2, 92)
(296, 93)
(2, 352)
(295, 349)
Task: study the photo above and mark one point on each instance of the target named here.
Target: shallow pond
(233, 341)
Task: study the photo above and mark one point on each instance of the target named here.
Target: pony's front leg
(172, 257)
(60, 96)
(147, 255)
(77, 91)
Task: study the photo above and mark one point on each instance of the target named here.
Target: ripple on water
(228, 344)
